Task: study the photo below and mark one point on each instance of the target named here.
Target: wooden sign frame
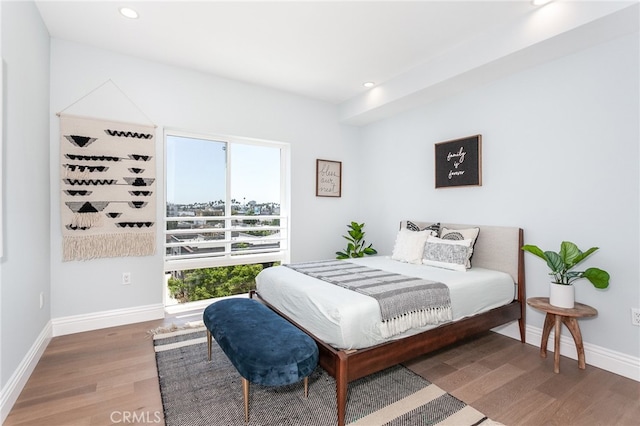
(328, 178)
(458, 162)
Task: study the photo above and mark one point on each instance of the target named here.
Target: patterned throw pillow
(461, 234)
(435, 227)
(448, 254)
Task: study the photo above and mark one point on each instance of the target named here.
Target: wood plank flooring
(108, 376)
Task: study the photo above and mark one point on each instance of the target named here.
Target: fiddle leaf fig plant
(562, 263)
(356, 246)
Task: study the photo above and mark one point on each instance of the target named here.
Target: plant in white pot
(561, 290)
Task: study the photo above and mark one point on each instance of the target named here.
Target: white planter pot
(562, 296)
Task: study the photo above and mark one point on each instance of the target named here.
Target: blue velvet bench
(265, 348)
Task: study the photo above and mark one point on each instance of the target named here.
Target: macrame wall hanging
(108, 186)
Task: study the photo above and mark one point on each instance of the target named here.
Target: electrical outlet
(126, 278)
(635, 316)
(41, 300)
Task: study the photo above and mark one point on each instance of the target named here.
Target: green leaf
(535, 250)
(571, 275)
(369, 250)
(598, 277)
(584, 255)
(554, 261)
(569, 252)
(356, 226)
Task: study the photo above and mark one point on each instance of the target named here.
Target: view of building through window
(224, 217)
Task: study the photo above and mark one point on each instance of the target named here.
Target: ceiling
(323, 50)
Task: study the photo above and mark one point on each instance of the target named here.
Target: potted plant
(561, 291)
(356, 246)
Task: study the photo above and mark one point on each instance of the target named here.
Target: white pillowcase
(409, 245)
(448, 254)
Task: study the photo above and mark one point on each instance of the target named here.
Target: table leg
(574, 328)
(546, 330)
(556, 345)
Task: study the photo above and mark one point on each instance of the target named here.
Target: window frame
(229, 257)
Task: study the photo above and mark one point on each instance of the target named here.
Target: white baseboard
(10, 392)
(105, 319)
(597, 356)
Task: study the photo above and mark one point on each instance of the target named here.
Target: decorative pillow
(409, 246)
(435, 227)
(461, 234)
(448, 254)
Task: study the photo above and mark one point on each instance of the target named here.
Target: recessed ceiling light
(127, 12)
(369, 84)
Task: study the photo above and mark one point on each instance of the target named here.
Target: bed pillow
(461, 234)
(448, 254)
(409, 245)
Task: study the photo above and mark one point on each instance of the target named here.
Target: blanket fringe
(415, 319)
(108, 245)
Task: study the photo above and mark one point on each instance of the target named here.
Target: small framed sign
(328, 178)
(459, 162)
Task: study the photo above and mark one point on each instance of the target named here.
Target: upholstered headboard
(497, 247)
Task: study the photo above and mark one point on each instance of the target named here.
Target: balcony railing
(193, 242)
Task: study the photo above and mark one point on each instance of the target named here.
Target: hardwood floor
(511, 384)
(108, 376)
(92, 378)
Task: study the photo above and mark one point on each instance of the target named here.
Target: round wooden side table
(557, 316)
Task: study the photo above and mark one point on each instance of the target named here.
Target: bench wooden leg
(306, 386)
(209, 345)
(245, 392)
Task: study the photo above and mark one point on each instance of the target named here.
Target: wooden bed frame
(496, 248)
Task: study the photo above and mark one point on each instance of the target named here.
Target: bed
(351, 347)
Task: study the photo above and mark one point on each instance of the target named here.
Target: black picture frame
(328, 178)
(458, 162)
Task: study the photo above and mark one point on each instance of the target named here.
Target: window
(226, 202)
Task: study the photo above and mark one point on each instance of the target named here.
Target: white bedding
(335, 315)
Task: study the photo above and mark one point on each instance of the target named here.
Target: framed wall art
(459, 162)
(328, 178)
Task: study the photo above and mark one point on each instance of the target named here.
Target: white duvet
(349, 320)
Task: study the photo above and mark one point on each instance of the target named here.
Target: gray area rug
(200, 392)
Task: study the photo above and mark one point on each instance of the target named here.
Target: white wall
(560, 159)
(186, 100)
(24, 267)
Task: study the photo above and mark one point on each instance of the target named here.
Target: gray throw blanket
(405, 302)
